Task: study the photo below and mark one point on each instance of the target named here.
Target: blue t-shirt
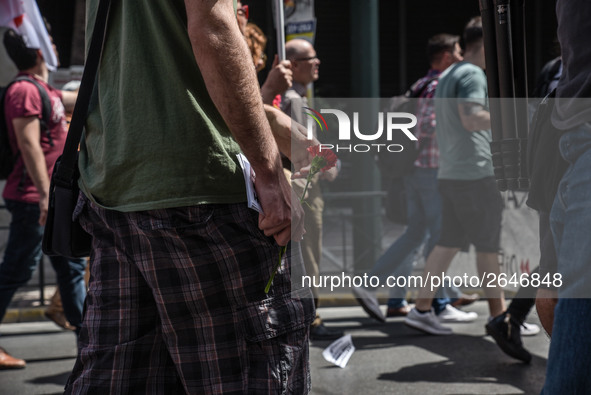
(464, 155)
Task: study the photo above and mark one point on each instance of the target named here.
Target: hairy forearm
(220, 51)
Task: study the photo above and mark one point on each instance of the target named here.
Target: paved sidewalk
(390, 358)
(26, 305)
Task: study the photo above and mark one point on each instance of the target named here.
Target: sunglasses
(306, 59)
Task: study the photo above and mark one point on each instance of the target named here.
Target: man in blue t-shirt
(471, 203)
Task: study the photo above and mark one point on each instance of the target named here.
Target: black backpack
(548, 74)
(7, 157)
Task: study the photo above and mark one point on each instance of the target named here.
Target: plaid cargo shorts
(176, 304)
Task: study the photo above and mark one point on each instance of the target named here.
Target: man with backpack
(33, 119)
(423, 200)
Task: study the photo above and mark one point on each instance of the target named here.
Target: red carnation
(324, 159)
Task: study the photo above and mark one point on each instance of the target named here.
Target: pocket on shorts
(251, 226)
(275, 317)
(179, 219)
(280, 365)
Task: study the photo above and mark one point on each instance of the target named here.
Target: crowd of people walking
(177, 300)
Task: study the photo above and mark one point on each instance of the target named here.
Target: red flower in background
(277, 101)
(324, 159)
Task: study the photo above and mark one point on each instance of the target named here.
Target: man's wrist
(267, 94)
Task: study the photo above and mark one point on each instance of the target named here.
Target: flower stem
(281, 253)
(306, 188)
(284, 248)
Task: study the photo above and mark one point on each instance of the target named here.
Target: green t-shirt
(463, 155)
(154, 139)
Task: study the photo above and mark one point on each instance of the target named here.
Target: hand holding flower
(323, 160)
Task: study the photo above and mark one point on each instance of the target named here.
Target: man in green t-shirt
(179, 263)
(471, 203)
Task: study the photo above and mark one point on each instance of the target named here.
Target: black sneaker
(505, 330)
(321, 332)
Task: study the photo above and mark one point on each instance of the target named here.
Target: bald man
(304, 66)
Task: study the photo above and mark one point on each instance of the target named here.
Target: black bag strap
(45, 100)
(68, 164)
(45, 104)
(416, 94)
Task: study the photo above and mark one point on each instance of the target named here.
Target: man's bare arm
(28, 137)
(474, 117)
(221, 53)
(69, 100)
(278, 80)
(290, 136)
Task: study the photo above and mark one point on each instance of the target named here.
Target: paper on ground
(339, 351)
(249, 179)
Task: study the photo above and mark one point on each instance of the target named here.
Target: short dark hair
(473, 32)
(439, 44)
(23, 57)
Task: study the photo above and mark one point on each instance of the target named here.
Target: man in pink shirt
(36, 141)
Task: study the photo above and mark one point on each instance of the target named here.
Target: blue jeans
(570, 219)
(424, 214)
(22, 256)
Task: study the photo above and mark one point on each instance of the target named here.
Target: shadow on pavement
(59, 379)
(468, 358)
(52, 359)
(37, 333)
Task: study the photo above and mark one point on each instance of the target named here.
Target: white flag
(11, 13)
(24, 17)
(34, 31)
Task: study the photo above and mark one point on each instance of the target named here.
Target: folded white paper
(249, 180)
(339, 351)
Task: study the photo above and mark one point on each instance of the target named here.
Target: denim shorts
(472, 212)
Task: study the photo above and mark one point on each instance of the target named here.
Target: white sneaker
(426, 322)
(525, 329)
(451, 314)
(529, 329)
(369, 302)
